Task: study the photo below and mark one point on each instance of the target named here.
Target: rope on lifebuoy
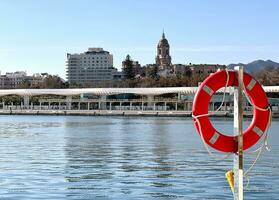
(264, 145)
(259, 150)
(209, 114)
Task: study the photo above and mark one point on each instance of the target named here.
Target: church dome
(163, 42)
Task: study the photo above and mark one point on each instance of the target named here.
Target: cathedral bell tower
(163, 58)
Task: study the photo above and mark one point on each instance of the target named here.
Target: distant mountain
(256, 65)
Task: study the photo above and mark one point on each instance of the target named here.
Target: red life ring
(260, 120)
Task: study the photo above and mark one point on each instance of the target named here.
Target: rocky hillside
(257, 65)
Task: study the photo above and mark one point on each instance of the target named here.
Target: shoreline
(120, 113)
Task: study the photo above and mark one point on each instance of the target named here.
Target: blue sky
(36, 35)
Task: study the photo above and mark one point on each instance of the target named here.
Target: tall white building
(90, 67)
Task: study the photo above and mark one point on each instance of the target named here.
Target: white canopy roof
(99, 91)
(110, 91)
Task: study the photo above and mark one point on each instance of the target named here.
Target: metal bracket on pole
(238, 131)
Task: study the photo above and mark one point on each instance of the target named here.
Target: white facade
(12, 79)
(90, 67)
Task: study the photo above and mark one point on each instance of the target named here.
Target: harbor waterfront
(87, 157)
(228, 114)
(139, 100)
(167, 101)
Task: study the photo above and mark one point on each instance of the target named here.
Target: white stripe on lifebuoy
(251, 84)
(214, 138)
(208, 90)
(258, 131)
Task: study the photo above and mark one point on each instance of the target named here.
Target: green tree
(75, 85)
(128, 69)
(25, 84)
(8, 99)
(153, 71)
(52, 82)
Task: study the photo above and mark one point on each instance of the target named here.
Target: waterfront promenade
(172, 101)
(105, 113)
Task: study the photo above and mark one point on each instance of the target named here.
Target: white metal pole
(238, 131)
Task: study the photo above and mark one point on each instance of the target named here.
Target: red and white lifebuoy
(260, 120)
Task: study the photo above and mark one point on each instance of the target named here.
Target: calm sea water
(67, 157)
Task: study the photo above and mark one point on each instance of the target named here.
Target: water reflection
(89, 157)
(56, 157)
